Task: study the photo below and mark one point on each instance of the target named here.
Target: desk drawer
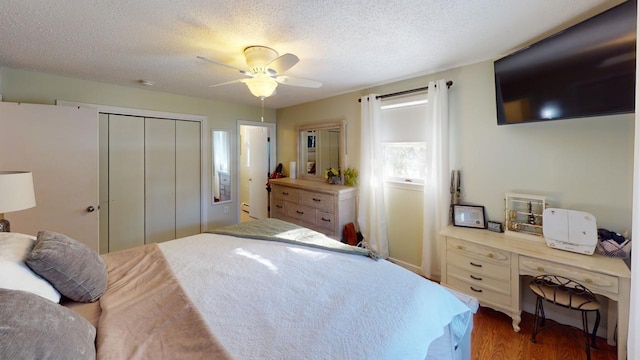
(596, 282)
(486, 252)
(479, 265)
(478, 279)
(481, 292)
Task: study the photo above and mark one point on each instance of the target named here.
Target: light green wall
(41, 88)
(581, 164)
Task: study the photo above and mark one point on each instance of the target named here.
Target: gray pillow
(74, 269)
(36, 328)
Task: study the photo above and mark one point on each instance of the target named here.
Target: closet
(150, 180)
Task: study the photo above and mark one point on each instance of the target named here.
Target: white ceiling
(347, 45)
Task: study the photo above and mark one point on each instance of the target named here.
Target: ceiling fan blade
(227, 83)
(225, 65)
(294, 81)
(282, 63)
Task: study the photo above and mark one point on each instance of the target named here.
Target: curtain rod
(449, 83)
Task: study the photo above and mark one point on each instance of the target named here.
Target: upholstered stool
(569, 294)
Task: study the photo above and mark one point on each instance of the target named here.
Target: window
(403, 140)
(404, 162)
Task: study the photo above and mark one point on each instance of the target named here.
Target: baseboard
(414, 268)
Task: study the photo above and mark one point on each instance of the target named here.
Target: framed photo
(469, 216)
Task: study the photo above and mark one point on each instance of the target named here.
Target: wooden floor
(493, 338)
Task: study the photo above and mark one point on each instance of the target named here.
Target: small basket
(611, 248)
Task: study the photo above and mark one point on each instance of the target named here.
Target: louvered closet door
(160, 180)
(188, 178)
(126, 182)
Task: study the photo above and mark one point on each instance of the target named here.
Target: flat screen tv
(585, 70)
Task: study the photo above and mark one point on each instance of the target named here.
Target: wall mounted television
(586, 70)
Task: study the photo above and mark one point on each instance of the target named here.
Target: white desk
(488, 265)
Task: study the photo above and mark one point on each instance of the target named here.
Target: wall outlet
(225, 209)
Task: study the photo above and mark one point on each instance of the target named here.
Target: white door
(160, 180)
(59, 144)
(188, 177)
(258, 171)
(125, 181)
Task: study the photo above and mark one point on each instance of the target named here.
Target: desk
(488, 265)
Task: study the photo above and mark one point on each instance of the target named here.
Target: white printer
(570, 230)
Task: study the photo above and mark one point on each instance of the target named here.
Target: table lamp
(16, 193)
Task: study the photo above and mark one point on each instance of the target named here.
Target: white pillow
(14, 272)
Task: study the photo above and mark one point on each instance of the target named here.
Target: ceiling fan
(265, 71)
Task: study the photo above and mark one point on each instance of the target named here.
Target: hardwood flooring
(493, 338)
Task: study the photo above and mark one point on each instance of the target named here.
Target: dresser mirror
(221, 162)
(320, 146)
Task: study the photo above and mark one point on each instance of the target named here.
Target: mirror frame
(319, 176)
(229, 134)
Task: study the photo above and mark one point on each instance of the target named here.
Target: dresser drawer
(286, 193)
(595, 282)
(317, 200)
(325, 219)
(479, 265)
(277, 209)
(478, 279)
(481, 292)
(300, 212)
(479, 250)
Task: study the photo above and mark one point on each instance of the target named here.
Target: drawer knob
(460, 247)
(285, 193)
(490, 256)
(279, 206)
(588, 281)
(476, 290)
(540, 268)
(474, 264)
(300, 212)
(316, 200)
(323, 219)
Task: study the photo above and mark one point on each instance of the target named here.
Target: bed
(266, 289)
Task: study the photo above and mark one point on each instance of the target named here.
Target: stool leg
(585, 331)
(595, 329)
(535, 319)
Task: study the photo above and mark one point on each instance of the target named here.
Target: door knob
(91, 209)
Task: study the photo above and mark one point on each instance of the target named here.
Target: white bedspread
(267, 300)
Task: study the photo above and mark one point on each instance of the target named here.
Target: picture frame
(471, 216)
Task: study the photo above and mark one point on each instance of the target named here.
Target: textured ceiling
(347, 45)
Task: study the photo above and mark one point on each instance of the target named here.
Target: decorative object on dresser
(523, 215)
(469, 216)
(16, 193)
(320, 206)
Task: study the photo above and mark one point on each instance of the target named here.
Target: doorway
(256, 160)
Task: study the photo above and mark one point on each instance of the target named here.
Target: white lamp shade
(16, 191)
(261, 85)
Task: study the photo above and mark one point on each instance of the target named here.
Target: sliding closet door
(103, 187)
(160, 179)
(126, 182)
(188, 178)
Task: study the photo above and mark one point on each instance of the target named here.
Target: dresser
(488, 266)
(317, 205)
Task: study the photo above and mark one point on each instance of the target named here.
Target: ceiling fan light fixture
(261, 86)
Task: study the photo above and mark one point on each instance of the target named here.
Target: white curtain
(372, 219)
(436, 186)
